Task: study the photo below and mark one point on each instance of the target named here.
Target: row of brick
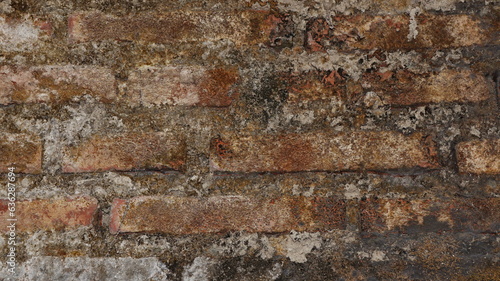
(146, 85)
(320, 151)
(218, 214)
(254, 27)
(199, 86)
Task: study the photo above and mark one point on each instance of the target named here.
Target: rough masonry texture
(250, 140)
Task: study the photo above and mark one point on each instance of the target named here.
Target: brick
(21, 151)
(320, 151)
(189, 215)
(314, 85)
(132, 151)
(393, 32)
(22, 34)
(245, 27)
(406, 88)
(413, 216)
(49, 214)
(479, 157)
(400, 88)
(181, 86)
(19, 84)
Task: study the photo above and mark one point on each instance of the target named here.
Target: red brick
(320, 151)
(55, 83)
(479, 157)
(189, 215)
(22, 151)
(181, 86)
(245, 27)
(410, 216)
(148, 151)
(406, 88)
(434, 31)
(49, 214)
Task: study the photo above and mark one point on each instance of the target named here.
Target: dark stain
(282, 34)
(431, 224)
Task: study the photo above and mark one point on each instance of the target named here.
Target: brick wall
(250, 140)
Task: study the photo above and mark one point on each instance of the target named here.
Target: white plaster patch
(413, 32)
(85, 268)
(378, 255)
(298, 245)
(351, 191)
(17, 36)
(198, 270)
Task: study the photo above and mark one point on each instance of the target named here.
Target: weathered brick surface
(21, 84)
(414, 216)
(147, 151)
(49, 214)
(406, 88)
(246, 27)
(323, 152)
(479, 156)
(399, 88)
(22, 34)
(393, 32)
(21, 151)
(181, 86)
(251, 140)
(187, 215)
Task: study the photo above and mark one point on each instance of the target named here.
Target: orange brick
(479, 157)
(21, 151)
(187, 215)
(153, 151)
(55, 83)
(320, 151)
(245, 27)
(411, 216)
(434, 31)
(181, 86)
(49, 214)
